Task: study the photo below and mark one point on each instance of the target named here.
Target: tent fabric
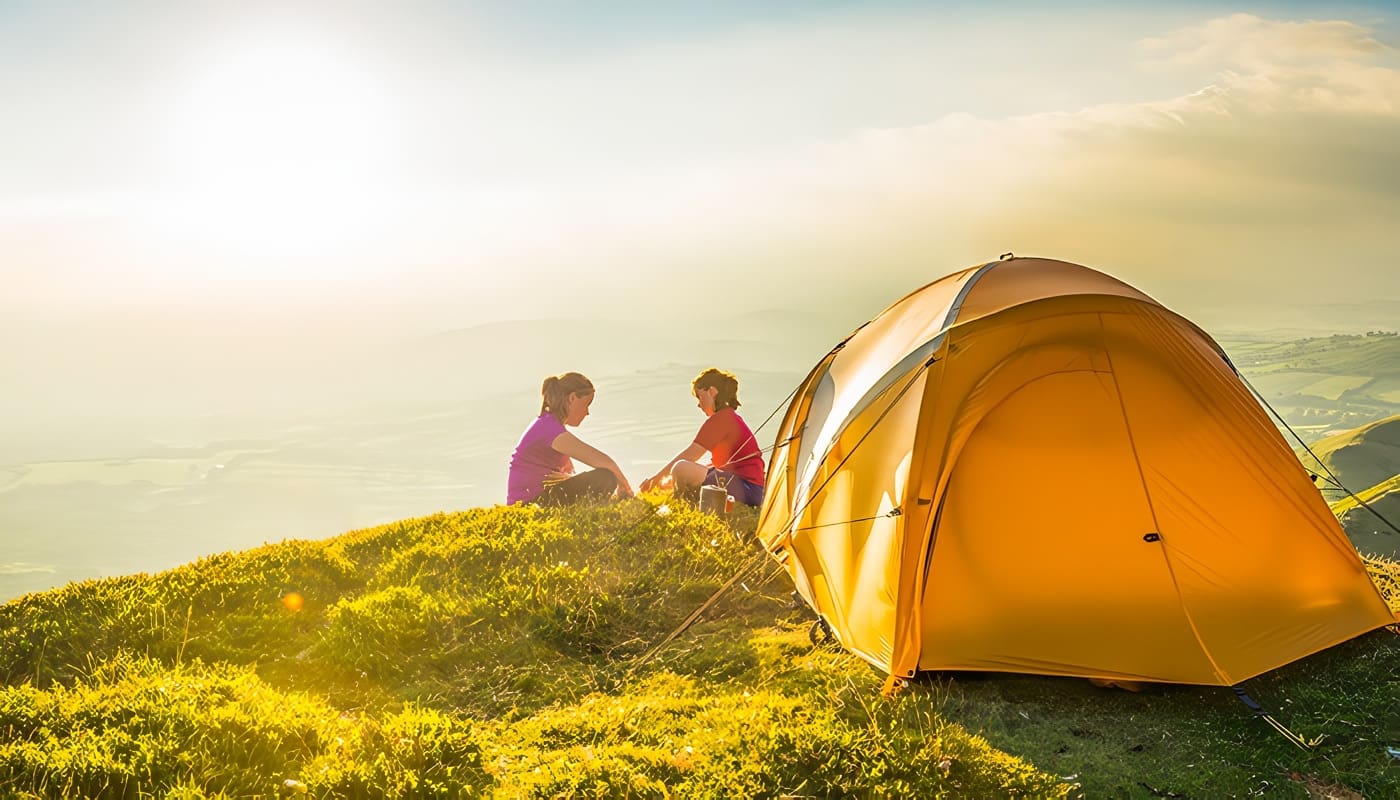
(1030, 466)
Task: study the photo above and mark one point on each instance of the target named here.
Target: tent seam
(1152, 509)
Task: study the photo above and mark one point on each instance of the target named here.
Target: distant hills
(361, 435)
(238, 452)
(1324, 384)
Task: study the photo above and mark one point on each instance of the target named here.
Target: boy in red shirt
(736, 462)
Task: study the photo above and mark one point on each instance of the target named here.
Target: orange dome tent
(1030, 466)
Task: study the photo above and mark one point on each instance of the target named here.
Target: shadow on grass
(1197, 742)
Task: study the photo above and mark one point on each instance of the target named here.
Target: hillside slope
(1367, 462)
(1363, 457)
(495, 651)
(505, 652)
(1371, 517)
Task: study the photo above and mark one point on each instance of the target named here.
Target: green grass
(502, 652)
(1325, 448)
(1368, 496)
(133, 725)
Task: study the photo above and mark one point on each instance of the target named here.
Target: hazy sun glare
(449, 163)
(279, 148)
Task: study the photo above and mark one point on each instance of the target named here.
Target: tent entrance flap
(1043, 497)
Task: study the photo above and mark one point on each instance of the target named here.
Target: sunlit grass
(1368, 495)
(1385, 573)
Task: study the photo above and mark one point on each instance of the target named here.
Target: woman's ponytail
(546, 390)
(554, 394)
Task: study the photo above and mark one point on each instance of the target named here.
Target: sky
(225, 223)
(347, 168)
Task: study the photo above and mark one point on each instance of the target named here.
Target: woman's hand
(624, 489)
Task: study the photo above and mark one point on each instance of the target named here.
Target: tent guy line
(1331, 476)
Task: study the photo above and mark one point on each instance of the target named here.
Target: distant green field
(1334, 387)
(1282, 383)
(1324, 385)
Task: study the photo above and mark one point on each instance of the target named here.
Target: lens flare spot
(293, 601)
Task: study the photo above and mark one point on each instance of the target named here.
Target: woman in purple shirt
(541, 470)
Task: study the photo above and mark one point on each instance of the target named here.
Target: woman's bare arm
(575, 448)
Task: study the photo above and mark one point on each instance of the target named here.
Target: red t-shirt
(732, 446)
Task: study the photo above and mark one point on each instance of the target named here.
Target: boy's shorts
(749, 494)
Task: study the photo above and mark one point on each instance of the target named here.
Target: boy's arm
(691, 453)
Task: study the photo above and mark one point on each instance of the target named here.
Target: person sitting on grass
(542, 469)
(736, 463)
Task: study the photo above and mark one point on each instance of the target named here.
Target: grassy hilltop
(1363, 457)
(502, 652)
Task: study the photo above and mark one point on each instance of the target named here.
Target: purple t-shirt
(535, 457)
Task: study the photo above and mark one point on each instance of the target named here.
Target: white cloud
(1277, 183)
(1286, 155)
(24, 568)
(1333, 65)
(1238, 190)
(1245, 41)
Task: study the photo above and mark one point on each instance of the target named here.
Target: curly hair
(725, 382)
